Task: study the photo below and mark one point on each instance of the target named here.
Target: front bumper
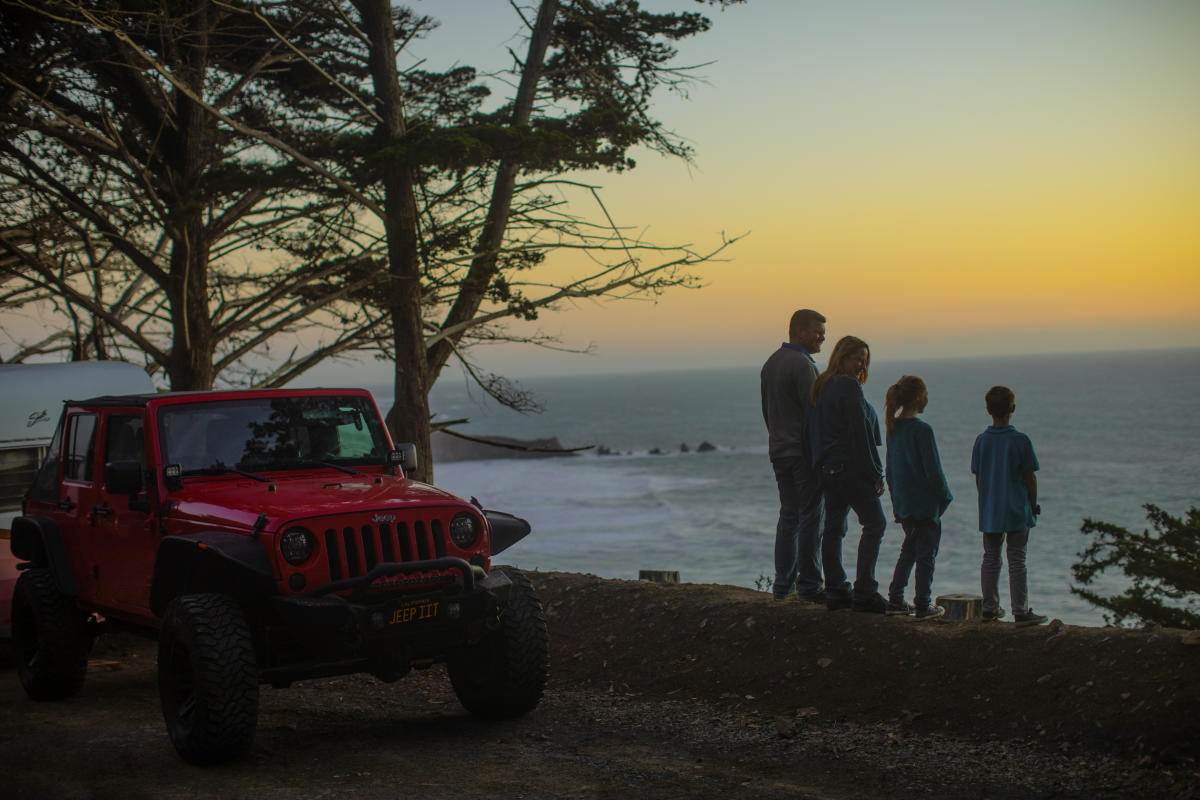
(356, 618)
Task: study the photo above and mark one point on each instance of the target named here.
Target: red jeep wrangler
(265, 537)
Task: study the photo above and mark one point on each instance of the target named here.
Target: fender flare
(505, 529)
(211, 561)
(37, 539)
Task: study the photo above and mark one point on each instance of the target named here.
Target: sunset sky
(941, 178)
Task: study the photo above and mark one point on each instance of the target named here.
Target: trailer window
(17, 470)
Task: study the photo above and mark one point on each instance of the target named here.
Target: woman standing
(845, 442)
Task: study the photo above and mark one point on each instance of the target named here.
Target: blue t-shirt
(1001, 459)
(914, 472)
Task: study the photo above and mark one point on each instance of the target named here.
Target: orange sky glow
(941, 178)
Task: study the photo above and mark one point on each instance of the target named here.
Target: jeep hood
(237, 502)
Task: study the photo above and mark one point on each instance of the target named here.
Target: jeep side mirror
(123, 477)
(405, 457)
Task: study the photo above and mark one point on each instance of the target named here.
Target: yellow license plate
(415, 611)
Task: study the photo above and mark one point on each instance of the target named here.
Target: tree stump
(659, 575)
(964, 607)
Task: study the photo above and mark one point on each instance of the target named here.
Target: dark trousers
(842, 492)
(798, 532)
(920, 548)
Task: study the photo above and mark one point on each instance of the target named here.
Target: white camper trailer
(31, 400)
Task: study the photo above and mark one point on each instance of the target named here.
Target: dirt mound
(1107, 688)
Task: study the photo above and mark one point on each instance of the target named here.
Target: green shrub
(1163, 567)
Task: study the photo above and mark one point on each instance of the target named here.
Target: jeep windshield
(276, 433)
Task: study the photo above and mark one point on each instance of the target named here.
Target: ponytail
(908, 392)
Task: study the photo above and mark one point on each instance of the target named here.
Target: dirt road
(673, 692)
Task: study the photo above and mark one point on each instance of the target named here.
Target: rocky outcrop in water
(451, 448)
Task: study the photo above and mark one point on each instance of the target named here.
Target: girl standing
(919, 493)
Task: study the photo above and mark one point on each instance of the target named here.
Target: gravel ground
(671, 692)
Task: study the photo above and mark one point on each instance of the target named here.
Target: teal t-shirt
(1001, 459)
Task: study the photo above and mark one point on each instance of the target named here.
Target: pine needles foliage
(1162, 564)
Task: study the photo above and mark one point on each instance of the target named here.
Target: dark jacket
(845, 430)
(786, 386)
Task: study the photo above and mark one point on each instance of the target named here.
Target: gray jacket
(787, 380)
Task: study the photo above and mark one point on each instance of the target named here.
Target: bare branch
(639, 279)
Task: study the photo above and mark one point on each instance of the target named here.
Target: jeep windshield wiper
(224, 469)
(329, 465)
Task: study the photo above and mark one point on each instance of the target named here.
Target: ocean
(1112, 432)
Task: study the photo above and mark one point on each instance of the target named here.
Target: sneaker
(788, 596)
(835, 601)
(873, 604)
(819, 597)
(898, 607)
(932, 612)
(1028, 618)
(989, 616)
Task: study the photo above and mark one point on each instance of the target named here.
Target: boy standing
(1004, 464)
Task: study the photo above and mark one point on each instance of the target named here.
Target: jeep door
(78, 496)
(125, 538)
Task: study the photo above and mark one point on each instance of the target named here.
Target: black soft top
(114, 400)
(144, 398)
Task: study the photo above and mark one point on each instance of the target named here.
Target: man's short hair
(802, 320)
(999, 400)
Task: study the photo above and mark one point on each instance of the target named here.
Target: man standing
(787, 380)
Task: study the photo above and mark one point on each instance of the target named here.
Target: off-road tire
(208, 678)
(50, 638)
(504, 676)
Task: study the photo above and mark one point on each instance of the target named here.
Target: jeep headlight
(297, 545)
(464, 530)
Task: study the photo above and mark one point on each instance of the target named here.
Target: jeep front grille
(354, 550)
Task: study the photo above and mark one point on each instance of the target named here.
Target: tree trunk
(190, 364)
(408, 419)
(491, 238)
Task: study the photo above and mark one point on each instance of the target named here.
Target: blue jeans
(844, 491)
(798, 532)
(920, 547)
(989, 572)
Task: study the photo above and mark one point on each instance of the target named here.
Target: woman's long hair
(908, 392)
(844, 349)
